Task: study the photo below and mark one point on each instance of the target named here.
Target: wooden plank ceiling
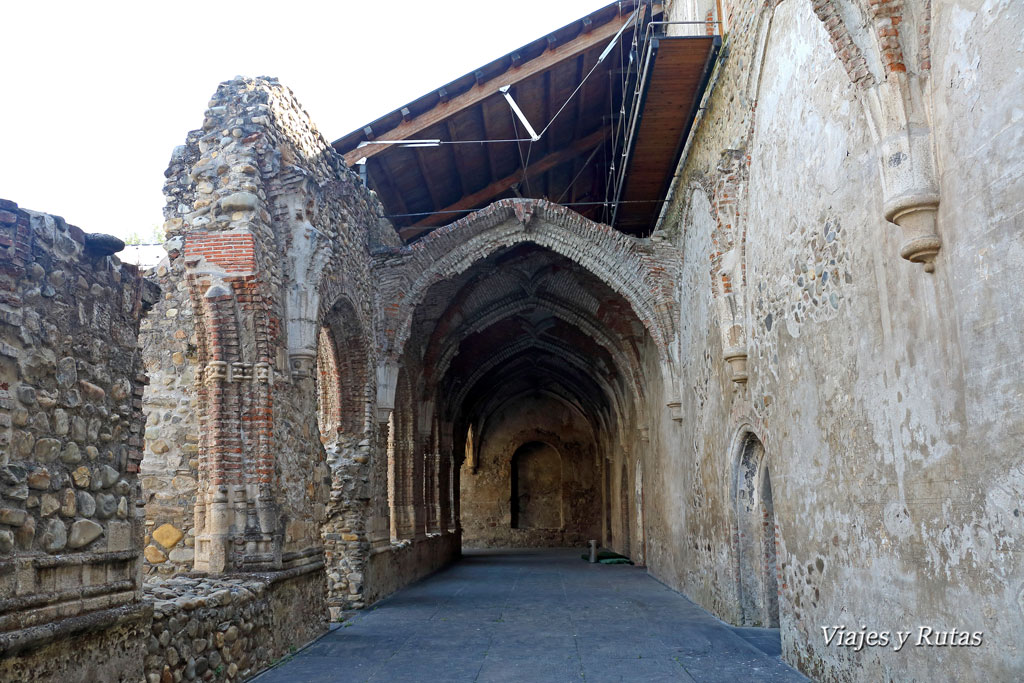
(426, 187)
(675, 74)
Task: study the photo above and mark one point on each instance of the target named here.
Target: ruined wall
(264, 352)
(230, 629)
(170, 468)
(486, 492)
(71, 524)
(71, 424)
(881, 392)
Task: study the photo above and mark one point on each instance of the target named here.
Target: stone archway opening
(536, 479)
(532, 366)
(756, 565)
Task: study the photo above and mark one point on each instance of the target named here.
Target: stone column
(444, 483)
(378, 527)
(456, 507)
(418, 478)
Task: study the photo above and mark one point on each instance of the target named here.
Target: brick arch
(638, 270)
(347, 370)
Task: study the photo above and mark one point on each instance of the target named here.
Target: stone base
(100, 646)
(233, 626)
(389, 569)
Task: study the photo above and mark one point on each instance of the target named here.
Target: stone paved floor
(537, 615)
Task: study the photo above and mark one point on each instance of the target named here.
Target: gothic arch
(754, 533)
(640, 272)
(350, 363)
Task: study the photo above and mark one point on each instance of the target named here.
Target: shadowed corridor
(536, 615)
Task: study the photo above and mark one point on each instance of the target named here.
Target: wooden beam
(478, 93)
(457, 158)
(492, 164)
(427, 182)
(384, 179)
(476, 199)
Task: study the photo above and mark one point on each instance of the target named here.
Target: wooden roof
(425, 187)
(675, 74)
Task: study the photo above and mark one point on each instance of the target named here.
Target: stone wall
(72, 603)
(207, 628)
(389, 569)
(270, 319)
(170, 468)
(71, 424)
(486, 489)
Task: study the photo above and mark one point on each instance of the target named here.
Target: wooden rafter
(497, 187)
(457, 157)
(427, 177)
(481, 91)
(384, 179)
(492, 163)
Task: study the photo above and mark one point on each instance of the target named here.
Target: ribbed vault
(527, 345)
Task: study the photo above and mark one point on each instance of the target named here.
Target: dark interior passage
(535, 362)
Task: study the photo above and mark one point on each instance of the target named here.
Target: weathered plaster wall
(486, 493)
(884, 395)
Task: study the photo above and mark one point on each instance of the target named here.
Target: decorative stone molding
(216, 372)
(302, 364)
(892, 77)
(241, 372)
(736, 357)
(263, 373)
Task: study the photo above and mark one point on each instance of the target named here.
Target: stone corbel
(216, 372)
(387, 383)
(302, 363)
(895, 110)
(241, 372)
(736, 357)
(263, 373)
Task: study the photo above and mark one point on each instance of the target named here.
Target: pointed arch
(638, 270)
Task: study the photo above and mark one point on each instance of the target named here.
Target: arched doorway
(536, 487)
(756, 565)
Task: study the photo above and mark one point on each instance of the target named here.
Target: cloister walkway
(532, 616)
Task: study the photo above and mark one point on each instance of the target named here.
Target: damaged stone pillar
(379, 526)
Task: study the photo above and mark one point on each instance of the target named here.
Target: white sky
(97, 94)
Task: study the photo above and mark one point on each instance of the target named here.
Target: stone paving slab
(535, 616)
